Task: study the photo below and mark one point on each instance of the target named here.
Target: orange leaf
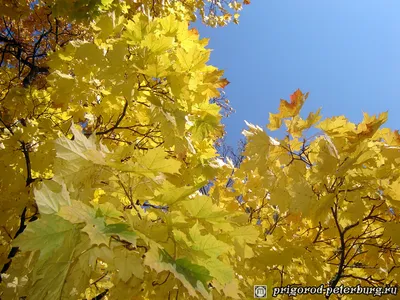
(222, 83)
(370, 125)
(292, 109)
(246, 2)
(194, 31)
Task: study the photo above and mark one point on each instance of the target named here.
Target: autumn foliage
(112, 186)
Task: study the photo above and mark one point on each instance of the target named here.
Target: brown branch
(25, 151)
(370, 280)
(7, 126)
(339, 273)
(14, 250)
(100, 278)
(154, 283)
(101, 295)
(320, 231)
(118, 121)
(129, 195)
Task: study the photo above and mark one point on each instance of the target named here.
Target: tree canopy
(112, 185)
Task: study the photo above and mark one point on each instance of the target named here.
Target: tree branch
(25, 151)
(101, 295)
(118, 121)
(339, 273)
(14, 250)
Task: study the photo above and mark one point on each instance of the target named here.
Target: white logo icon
(260, 291)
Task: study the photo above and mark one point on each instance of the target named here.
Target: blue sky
(345, 53)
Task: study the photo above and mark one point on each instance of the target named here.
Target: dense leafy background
(113, 187)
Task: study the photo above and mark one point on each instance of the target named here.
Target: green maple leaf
(207, 243)
(192, 272)
(50, 196)
(194, 277)
(219, 270)
(96, 227)
(122, 230)
(56, 239)
(46, 235)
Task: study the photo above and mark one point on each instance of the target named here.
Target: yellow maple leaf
(293, 108)
(370, 125)
(275, 122)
